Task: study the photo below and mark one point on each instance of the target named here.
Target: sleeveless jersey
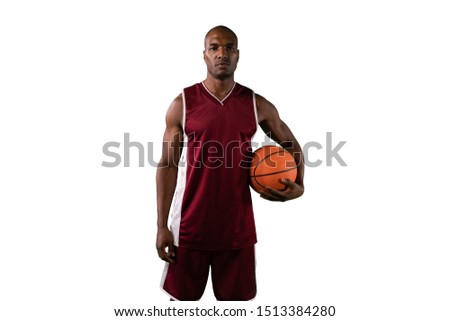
(212, 207)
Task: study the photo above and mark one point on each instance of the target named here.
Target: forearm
(299, 160)
(288, 142)
(297, 153)
(166, 180)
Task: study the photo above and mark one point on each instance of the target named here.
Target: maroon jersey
(212, 207)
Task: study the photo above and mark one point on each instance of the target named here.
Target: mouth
(223, 64)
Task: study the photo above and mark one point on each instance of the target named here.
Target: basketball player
(202, 181)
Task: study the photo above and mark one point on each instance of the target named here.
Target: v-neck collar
(224, 98)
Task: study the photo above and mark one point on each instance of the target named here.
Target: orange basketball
(269, 165)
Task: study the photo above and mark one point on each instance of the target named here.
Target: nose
(222, 52)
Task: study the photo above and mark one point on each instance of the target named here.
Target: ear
(237, 56)
(204, 57)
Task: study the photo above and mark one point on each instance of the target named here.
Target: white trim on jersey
(183, 119)
(256, 116)
(255, 108)
(220, 101)
(177, 201)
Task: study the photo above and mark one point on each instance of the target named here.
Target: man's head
(221, 52)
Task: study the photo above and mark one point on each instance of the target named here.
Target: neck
(219, 87)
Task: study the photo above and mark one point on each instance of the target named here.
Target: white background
(77, 239)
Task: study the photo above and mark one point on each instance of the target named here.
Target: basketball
(270, 164)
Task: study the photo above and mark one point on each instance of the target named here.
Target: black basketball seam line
(277, 152)
(268, 174)
(280, 149)
(254, 177)
(262, 186)
(256, 166)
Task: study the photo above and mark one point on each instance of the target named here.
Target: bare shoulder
(261, 102)
(266, 110)
(174, 114)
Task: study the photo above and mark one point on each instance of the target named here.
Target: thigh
(186, 278)
(233, 274)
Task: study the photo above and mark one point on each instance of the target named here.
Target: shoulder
(266, 110)
(192, 89)
(242, 89)
(177, 102)
(261, 101)
(174, 113)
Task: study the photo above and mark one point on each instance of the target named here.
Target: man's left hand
(292, 191)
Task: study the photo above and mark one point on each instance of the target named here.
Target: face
(221, 54)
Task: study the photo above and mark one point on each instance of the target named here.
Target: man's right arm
(166, 177)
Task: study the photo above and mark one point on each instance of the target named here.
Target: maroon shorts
(232, 274)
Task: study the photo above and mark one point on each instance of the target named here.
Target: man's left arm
(271, 123)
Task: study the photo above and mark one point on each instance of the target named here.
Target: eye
(213, 48)
(231, 48)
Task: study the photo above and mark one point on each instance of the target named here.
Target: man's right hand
(164, 245)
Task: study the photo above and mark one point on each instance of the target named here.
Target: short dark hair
(223, 28)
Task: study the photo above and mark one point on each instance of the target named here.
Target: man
(202, 179)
